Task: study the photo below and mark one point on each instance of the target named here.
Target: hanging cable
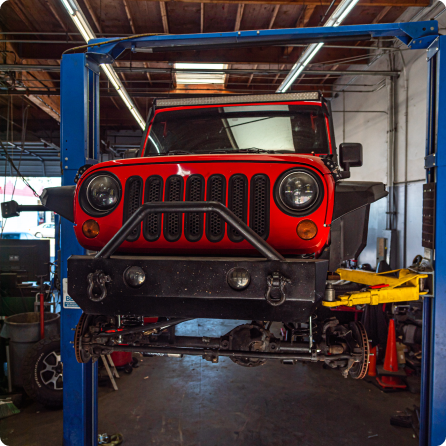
(11, 162)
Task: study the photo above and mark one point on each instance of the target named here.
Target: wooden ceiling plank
(164, 17)
(52, 8)
(201, 18)
(383, 12)
(238, 19)
(148, 74)
(404, 3)
(15, 5)
(129, 16)
(93, 15)
(273, 18)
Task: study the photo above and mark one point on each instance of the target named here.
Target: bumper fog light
(238, 278)
(306, 230)
(90, 228)
(134, 276)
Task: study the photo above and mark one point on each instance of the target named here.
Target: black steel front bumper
(197, 287)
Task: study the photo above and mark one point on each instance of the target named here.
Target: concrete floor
(190, 401)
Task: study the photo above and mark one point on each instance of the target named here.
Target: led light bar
(242, 99)
(334, 20)
(87, 33)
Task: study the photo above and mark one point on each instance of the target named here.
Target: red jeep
(232, 208)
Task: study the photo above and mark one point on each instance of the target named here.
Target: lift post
(79, 144)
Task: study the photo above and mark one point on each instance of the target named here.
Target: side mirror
(131, 153)
(350, 155)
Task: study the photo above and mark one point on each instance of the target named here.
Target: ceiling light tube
(71, 8)
(299, 66)
(88, 34)
(335, 19)
(86, 31)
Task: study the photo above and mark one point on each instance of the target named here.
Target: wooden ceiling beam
(403, 3)
(17, 8)
(129, 16)
(164, 17)
(382, 13)
(201, 18)
(55, 12)
(93, 15)
(238, 18)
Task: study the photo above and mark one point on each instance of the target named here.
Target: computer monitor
(27, 258)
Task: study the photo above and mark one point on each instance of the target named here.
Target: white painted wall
(370, 129)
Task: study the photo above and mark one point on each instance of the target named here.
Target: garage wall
(366, 122)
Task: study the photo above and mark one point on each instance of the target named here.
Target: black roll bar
(229, 217)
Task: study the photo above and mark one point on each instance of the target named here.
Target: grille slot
(193, 222)
(153, 193)
(259, 205)
(132, 202)
(216, 191)
(173, 221)
(237, 202)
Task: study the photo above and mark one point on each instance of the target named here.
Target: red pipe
(42, 316)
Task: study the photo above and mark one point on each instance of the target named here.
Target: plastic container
(23, 330)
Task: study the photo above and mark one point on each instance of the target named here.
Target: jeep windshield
(240, 129)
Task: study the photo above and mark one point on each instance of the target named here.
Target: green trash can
(23, 330)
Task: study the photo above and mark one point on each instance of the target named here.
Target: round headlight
(103, 193)
(238, 278)
(298, 190)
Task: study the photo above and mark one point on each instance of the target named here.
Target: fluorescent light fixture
(88, 34)
(70, 7)
(334, 20)
(341, 12)
(82, 25)
(210, 74)
(299, 66)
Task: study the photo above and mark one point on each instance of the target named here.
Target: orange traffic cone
(372, 361)
(391, 362)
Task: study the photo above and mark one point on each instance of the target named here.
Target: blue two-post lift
(80, 146)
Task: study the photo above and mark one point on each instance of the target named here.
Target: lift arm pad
(394, 286)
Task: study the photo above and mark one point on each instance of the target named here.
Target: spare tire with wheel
(43, 373)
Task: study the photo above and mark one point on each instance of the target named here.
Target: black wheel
(43, 373)
(128, 369)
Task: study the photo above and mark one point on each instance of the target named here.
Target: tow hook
(276, 282)
(97, 280)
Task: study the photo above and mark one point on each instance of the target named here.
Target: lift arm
(400, 285)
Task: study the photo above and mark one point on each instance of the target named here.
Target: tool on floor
(110, 440)
(7, 408)
(389, 376)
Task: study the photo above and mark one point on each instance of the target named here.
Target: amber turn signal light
(306, 229)
(90, 228)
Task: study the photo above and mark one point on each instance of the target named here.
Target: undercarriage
(341, 346)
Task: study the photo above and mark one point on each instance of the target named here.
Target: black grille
(216, 191)
(153, 193)
(193, 222)
(259, 205)
(237, 202)
(173, 221)
(132, 201)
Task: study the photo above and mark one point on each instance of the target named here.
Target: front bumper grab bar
(228, 216)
